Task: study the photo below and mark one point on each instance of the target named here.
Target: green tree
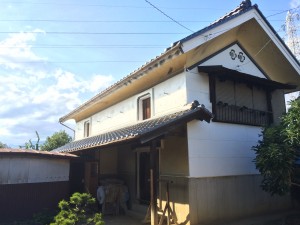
(2, 145)
(277, 150)
(79, 210)
(57, 140)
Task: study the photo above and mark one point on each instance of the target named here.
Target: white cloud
(16, 51)
(99, 82)
(66, 80)
(295, 3)
(33, 98)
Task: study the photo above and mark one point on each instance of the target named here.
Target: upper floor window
(240, 98)
(144, 107)
(87, 128)
(239, 102)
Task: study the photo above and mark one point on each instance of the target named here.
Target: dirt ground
(287, 218)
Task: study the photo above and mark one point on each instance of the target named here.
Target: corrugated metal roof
(29, 152)
(144, 131)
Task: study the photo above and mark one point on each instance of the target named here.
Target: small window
(87, 128)
(144, 107)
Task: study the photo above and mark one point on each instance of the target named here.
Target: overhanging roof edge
(139, 130)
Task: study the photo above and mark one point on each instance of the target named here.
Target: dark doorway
(76, 177)
(144, 177)
(144, 166)
(91, 177)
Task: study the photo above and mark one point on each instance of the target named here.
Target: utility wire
(73, 62)
(169, 16)
(115, 6)
(284, 11)
(90, 33)
(101, 21)
(87, 46)
(110, 21)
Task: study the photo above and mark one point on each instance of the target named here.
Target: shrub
(78, 210)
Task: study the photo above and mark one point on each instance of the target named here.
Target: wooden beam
(153, 183)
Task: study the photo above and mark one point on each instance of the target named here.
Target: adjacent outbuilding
(31, 181)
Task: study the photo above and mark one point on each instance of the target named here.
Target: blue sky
(55, 55)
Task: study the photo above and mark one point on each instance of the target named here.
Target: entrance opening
(76, 177)
(143, 174)
(144, 177)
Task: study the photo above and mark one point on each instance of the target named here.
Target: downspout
(68, 128)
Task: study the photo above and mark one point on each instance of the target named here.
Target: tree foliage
(2, 145)
(78, 210)
(277, 150)
(57, 140)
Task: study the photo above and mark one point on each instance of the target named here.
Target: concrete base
(219, 199)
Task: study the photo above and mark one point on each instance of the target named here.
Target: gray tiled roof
(143, 131)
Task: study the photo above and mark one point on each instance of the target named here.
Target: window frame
(140, 106)
(87, 128)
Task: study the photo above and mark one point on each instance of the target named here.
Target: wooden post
(168, 202)
(153, 180)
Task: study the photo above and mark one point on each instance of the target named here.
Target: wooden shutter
(260, 99)
(146, 108)
(243, 95)
(225, 92)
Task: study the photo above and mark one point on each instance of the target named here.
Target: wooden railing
(241, 115)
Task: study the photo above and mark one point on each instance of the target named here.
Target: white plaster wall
(224, 59)
(45, 170)
(221, 149)
(217, 149)
(198, 88)
(167, 96)
(170, 95)
(14, 170)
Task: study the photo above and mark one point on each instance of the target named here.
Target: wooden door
(91, 177)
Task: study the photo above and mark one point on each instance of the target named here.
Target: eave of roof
(142, 131)
(244, 7)
(176, 45)
(159, 60)
(224, 72)
(30, 152)
(176, 49)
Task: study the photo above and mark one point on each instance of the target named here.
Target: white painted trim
(84, 128)
(216, 31)
(140, 105)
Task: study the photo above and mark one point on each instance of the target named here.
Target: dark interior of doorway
(144, 177)
(76, 177)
